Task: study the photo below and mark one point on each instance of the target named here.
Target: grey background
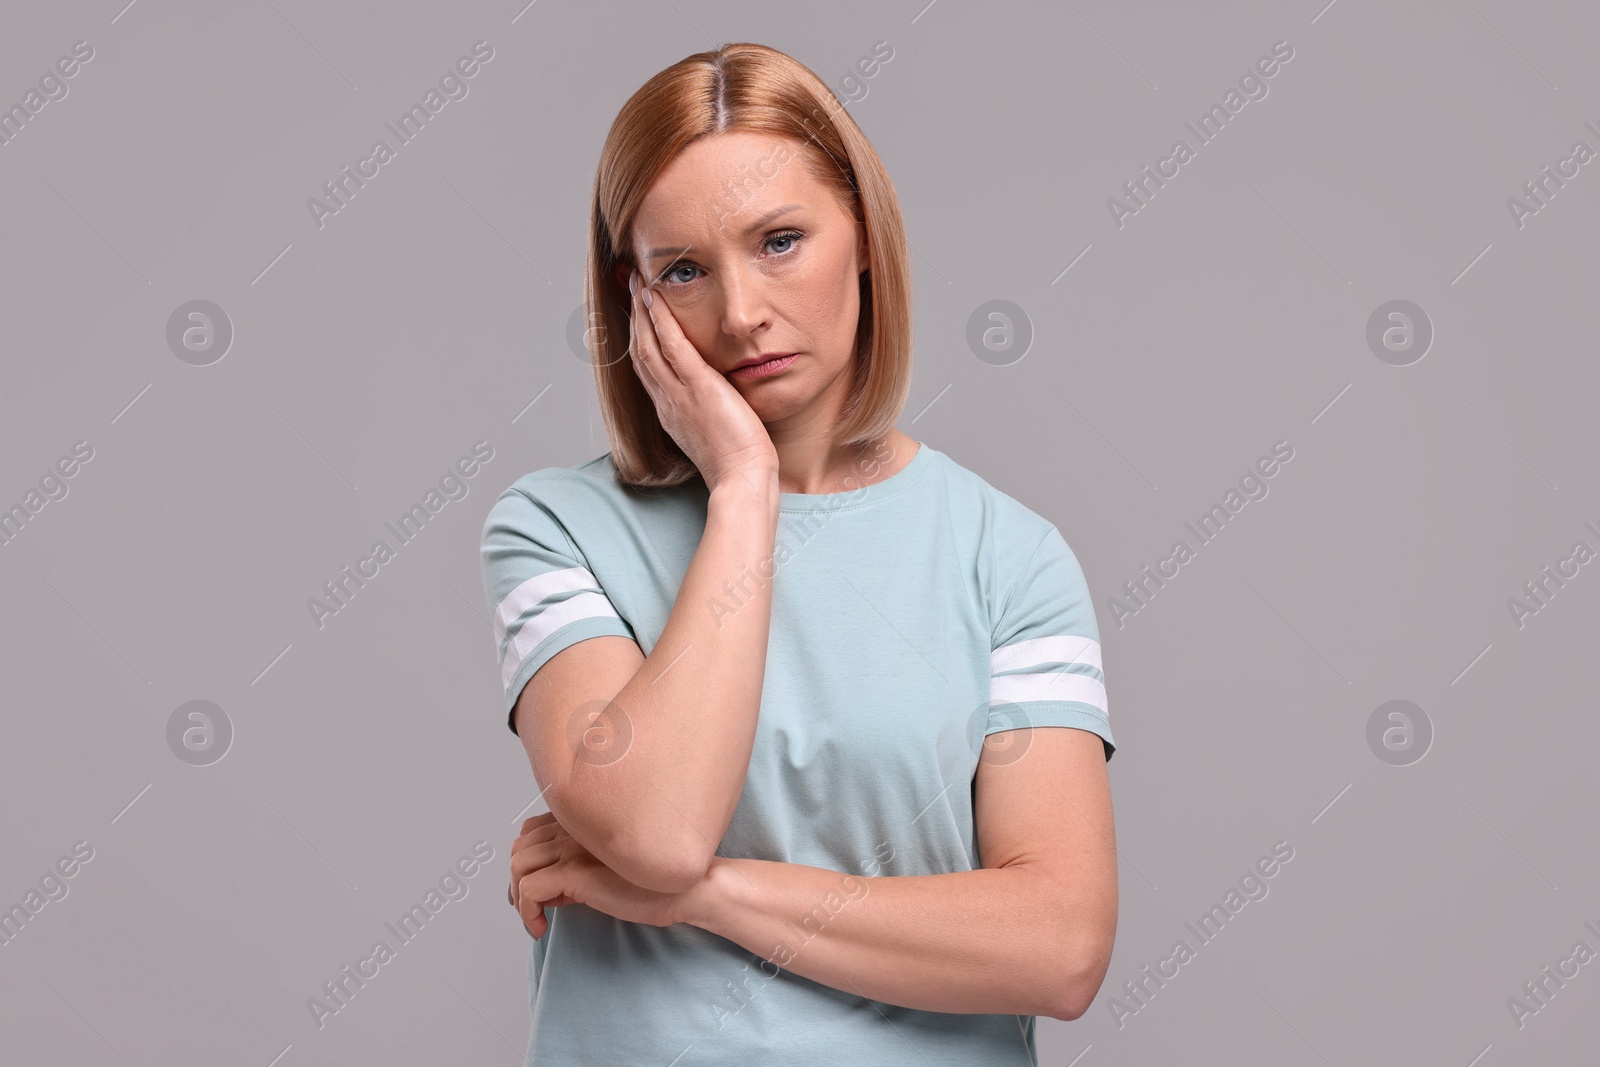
(1231, 312)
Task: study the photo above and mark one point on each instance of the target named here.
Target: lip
(772, 365)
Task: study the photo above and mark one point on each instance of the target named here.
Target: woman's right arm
(654, 799)
(654, 793)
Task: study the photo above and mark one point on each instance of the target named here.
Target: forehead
(720, 185)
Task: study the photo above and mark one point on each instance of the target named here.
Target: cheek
(695, 315)
(687, 305)
(824, 299)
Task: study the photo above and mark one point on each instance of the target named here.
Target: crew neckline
(861, 496)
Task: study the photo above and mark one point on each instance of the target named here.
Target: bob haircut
(751, 88)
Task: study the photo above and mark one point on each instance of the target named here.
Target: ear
(863, 249)
(621, 274)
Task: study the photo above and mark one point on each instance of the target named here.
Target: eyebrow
(658, 253)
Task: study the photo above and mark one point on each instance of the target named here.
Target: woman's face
(755, 257)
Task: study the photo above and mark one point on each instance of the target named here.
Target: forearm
(690, 711)
(992, 940)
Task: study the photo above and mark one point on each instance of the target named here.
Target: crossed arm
(1030, 932)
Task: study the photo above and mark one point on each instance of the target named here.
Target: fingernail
(633, 283)
(649, 301)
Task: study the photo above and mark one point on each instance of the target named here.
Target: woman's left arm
(1029, 933)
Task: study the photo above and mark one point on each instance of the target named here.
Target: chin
(772, 409)
(772, 402)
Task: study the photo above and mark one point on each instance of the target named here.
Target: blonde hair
(749, 88)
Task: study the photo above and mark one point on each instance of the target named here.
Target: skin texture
(1031, 931)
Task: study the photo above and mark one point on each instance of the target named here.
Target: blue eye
(792, 237)
(787, 235)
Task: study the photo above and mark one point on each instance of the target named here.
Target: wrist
(745, 487)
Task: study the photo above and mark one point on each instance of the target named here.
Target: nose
(746, 306)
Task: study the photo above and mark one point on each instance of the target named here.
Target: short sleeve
(541, 594)
(1044, 666)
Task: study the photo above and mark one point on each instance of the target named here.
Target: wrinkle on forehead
(706, 198)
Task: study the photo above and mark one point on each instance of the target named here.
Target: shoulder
(560, 491)
(547, 505)
(1009, 526)
(586, 507)
(590, 476)
(1027, 567)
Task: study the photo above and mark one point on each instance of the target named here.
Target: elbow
(671, 876)
(675, 868)
(640, 855)
(1074, 996)
(1076, 992)
(1073, 1002)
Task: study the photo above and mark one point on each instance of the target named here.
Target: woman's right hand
(702, 411)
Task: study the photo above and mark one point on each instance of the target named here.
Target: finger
(514, 898)
(540, 889)
(532, 856)
(641, 368)
(539, 924)
(542, 832)
(648, 341)
(668, 336)
(538, 820)
(542, 835)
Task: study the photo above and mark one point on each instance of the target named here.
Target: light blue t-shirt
(910, 618)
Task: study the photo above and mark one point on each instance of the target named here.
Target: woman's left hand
(550, 868)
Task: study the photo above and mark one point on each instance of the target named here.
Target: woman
(781, 671)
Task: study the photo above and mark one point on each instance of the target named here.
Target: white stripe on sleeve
(1052, 685)
(535, 591)
(530, 602)
(1033, 658)
(1038, 651)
